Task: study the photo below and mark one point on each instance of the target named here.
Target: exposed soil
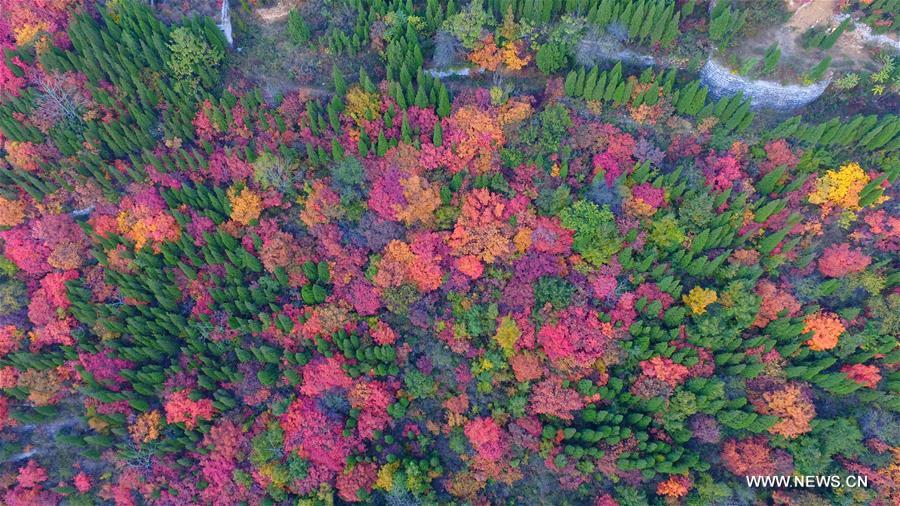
(810, 14)
(276, 12)
(851, 53)
(267, 59)
(821, 13)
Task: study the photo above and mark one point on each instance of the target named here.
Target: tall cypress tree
(437, 138)
(443, 107)
(340, 84)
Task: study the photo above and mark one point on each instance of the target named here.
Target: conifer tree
(438, 137)
(340, 84)
(443, 107)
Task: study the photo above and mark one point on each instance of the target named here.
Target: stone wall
(763, 94)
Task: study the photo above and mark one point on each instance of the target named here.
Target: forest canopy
(398, 252)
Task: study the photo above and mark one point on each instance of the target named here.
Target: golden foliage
(826, 329)
(522, 240)
(674, 487)
(401, 265)
(840, 188)
(27, 32)
(246, 206)
(66, 256)
(423, 198)
(482, 135)
(465, 484)
(480, 229)
(699, 298)
(361, 105)
(146, 427)
(514, 111)
(793, 406)
(513, 56)
(385, 479)
(489, 57)
(638, 208)
(42, 386)
(12, 212)
(143, 226)
(507, 335)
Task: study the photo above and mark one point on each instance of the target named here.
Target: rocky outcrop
(224, 23)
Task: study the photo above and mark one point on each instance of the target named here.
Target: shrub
(551, 57)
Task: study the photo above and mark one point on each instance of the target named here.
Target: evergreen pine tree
(337, 151)
(647, 23)
(652, 95)
(437, 137)
(382, 146)
(590, 83)
(604, 13)
(365, 81)
(363, 145)
(569, 85)
(660, 24)
(405, 130)
(618, 95)
(421, 97)
(340, 85)
(579, 83)
(600, 88)
(546, 11)
(443, 107)
(624, 18)
(297, 29)
(671, 32)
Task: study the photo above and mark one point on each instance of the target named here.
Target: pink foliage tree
(839, 260)
(486, 438)
(549, 397)
(180, 408)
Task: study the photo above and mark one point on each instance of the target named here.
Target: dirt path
(276, 12)
(810, 14)
(274, 87)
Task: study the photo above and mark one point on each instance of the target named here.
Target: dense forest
(418, 252)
